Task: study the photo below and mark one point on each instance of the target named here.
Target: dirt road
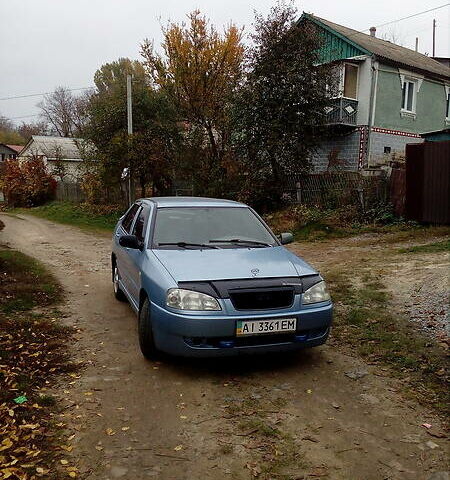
(300, 416)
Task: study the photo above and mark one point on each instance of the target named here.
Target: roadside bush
(313, 221)
(92, 186)
(381, 213)
(27, 184)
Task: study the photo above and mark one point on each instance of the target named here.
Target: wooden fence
(72, 192)
(397, 189)
(327, 190)
(69, 192)
(338, 189)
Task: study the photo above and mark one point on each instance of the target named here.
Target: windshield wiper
(243, 242)
(187, 244)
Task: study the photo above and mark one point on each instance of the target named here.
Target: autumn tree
(149, 151)
(27, 129)
(280, 109)
(59, 166)
(8, 132)
(28, 183)
(200, 70)
(64, 112)
(19, 135)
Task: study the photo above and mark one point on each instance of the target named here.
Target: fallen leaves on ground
(32, 353)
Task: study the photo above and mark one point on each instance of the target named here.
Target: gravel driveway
(180, 419)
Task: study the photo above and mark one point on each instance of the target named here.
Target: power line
(44, 93)
(409, 16)
(24, 116)
(427, 28)
(89, 88)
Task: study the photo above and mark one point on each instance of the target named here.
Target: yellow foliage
(201, 67)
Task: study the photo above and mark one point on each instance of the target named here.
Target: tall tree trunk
(213, 144)
(142, 182)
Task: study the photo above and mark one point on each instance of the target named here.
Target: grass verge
(366, 323)
(76, 215)
(429, 248)
(25, 283)
(33, 352)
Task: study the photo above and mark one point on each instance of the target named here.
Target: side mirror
(286, 237)
(130, 241)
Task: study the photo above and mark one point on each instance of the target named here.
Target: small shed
(54, 151)
(437, 136)
(9, 151)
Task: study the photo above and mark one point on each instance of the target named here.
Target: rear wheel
(116, 284)
(146, 340)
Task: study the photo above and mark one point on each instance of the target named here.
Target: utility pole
(130, 132)
(417, 44)
(434, 37)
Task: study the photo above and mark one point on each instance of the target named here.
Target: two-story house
(388, 96)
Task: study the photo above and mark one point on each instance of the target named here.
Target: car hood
(232, 263)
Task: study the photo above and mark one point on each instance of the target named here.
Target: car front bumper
(215, 335)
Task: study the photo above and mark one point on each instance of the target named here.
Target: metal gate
(428, 182)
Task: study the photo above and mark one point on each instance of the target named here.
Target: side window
(129, 217)
(141, 222)
(350, 81)
(408, 95)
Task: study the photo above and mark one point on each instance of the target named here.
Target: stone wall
(346, 148)
(348, 152)
(385, 144)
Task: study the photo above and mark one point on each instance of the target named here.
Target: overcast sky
(47, 43)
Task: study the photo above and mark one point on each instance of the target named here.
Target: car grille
(262, 299)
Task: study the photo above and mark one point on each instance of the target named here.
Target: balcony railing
(342, 111)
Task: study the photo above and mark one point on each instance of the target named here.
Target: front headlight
(317, 293)
(189, 300)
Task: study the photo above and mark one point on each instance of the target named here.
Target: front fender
(155, 279)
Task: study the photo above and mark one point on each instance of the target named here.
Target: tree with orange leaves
(200, 69)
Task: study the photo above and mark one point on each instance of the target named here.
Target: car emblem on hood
(255, 271)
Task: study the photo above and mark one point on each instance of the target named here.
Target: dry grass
(366, 323)
(33, 352)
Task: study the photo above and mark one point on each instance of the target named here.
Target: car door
(137, 256)
(122, 253)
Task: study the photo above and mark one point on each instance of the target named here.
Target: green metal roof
(335, 45)
(343, 42)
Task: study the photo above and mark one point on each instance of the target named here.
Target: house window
(350, 80)
(409, 92)
(387, 150)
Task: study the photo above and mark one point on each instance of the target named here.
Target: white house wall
(364, 86)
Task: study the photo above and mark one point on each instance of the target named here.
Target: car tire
(145, 330)
(117, 291)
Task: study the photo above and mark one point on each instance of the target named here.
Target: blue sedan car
(207, 277)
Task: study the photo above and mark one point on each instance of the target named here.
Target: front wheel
(146, 340)
(116, 284)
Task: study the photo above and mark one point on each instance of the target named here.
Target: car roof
(192, 202)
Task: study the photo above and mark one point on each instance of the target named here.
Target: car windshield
(203, 227)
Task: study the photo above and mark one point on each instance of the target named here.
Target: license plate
(261, 327)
